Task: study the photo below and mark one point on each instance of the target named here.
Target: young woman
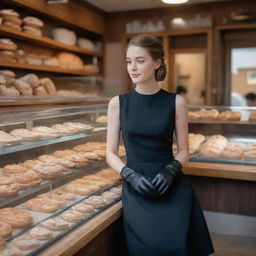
(162, 216)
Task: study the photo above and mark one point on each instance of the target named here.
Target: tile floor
(226, 245)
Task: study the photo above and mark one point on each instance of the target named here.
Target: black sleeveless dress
(173, 224)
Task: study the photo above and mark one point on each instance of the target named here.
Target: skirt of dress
(170, 225)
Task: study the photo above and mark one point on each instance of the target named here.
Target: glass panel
(189, 76)
(243, 77)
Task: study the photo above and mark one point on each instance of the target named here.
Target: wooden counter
(218, 170)
(220, 187)
(81, 236)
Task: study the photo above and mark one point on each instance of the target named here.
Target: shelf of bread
(40, 142)
(224, 115)
(17, 65)
(32, 226)
(45, 41)
(221, 149)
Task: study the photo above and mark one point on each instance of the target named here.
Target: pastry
(72, 216)
(12, 25)
(58, 200)
(252, 117)
(79, 126)
(65, 195)
(33, 22)
(40, 91)
(23, 87)
(109, 195)
(9, 91)
(48, 171)
(46, 132)
(56, 160)
(9, 190)
(7, 44)
(13, 20)
(77, 189)
(5, 229)
(10, 169)
(63, 130)
(250, 154)
(34, 59)
(117, 190)
(211, 114)
(64, 35)
(31, 79)
(100, 153)
(42, 205)
(49, 86)
(101, 120)
(70, 61)
(8, 139)
(30, 163)
(8, 55)
(86, 44)
(9, 77)
(84, 208)
(11, 251)
(41, 233)
(27, 179)
(55, 224)
(16, 218)
(25, 134)
(8, 13)
(96, 201)
(32, 30)
(26, 242)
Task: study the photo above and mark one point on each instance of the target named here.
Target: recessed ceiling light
(174, 1)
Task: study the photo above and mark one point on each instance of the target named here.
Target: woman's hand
(139, 182)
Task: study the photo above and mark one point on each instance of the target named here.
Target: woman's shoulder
(114, 102)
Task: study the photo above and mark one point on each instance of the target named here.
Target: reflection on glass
(243, 77)
(189, 76)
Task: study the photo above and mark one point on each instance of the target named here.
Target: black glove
(139, 182)
(164, 178)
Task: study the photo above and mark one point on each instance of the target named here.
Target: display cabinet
(222, 134)
(53, 174)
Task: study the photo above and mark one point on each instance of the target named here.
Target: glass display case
(222, 134)
(53, 173)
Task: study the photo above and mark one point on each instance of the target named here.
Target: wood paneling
(225, 195)
(73, 13)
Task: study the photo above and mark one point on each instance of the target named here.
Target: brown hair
(155, 49)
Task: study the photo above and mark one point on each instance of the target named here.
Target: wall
(115, 38)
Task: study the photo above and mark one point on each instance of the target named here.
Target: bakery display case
(222, 134)
(53, 174)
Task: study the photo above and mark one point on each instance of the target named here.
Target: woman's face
(140, 65)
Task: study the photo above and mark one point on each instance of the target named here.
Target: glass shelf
(44, 142)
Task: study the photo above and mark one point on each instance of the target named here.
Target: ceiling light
(174, 1)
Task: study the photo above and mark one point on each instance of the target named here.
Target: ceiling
(128, 5)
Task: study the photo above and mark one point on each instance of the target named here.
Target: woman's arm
(181, 130)
(113, 135)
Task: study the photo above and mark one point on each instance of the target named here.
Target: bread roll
(31, 79)
(32, 30)
(49, 86)
(86, 44)
(8, 13)
(33, 22)
(64, 35)
(23, 87)
(40, 91)
(12, 25)
(9, 91)
(7, 44)
(13, 19)
(70, 61)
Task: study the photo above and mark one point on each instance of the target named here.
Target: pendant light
(174, 1)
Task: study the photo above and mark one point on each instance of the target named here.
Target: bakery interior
(61, 61)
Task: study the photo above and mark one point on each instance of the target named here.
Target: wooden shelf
(188, 31)
(46, 69)
(45, 41)
(237, 26)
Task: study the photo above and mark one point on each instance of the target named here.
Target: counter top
(220, 170)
